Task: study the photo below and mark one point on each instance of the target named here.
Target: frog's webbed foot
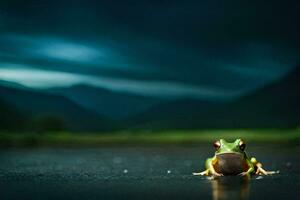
(204, 173)
(244, 174)
(261, 171)
(216, 174)
(207, 173)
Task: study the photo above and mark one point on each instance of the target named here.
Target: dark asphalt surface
(141, 173)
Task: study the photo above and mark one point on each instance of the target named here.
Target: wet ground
(141, 173)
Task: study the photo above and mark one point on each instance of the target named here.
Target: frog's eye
(217, 144)
(242, 145)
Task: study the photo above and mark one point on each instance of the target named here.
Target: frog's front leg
(210, 170)
(259, 169)
(250, 168)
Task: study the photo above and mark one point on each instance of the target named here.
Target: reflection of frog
(228, 188)
(231, 159)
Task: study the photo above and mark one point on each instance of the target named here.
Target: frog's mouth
(230, 163)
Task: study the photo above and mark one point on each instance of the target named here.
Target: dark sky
(205, 49)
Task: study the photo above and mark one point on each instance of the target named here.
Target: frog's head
(223, 147)
(230, 156)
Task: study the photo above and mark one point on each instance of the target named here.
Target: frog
(231, 159)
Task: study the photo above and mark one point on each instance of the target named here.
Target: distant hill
(89, 108)
(33, 104)
(275, 106)
(114, 105)
(11, 84)
(10, 117)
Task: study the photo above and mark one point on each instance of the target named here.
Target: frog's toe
(243, 174)
(198, 174)
(271, 172)
(261, 171)
(204, 173)
(216, 174)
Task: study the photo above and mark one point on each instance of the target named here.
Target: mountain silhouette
(111, 104)
(33, 103)
(87, 108)
(273, 106)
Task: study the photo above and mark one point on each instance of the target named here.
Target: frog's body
(231, 159)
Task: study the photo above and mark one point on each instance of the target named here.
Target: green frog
(231, 159)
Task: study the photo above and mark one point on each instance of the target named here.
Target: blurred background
(148, 66)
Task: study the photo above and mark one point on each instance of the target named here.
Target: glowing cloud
(69, 52)
(44, 79)
(58, 49)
